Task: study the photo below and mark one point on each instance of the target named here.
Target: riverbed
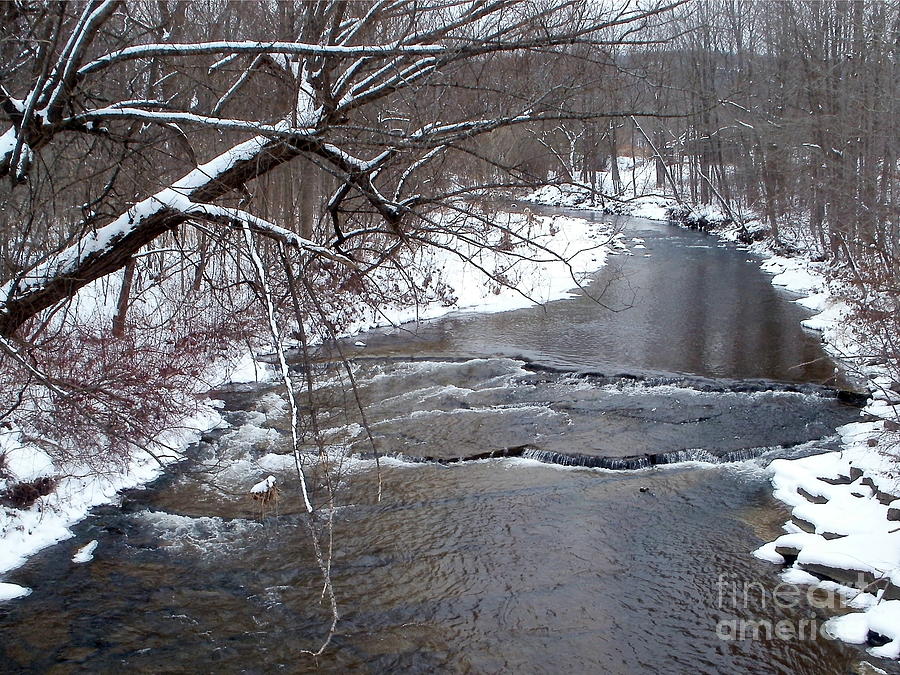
(546, 558)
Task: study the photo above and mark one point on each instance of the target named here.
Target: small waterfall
(690, 455)
(616, 463)
(744, 454)
(630, 463)
(515, 451)
(705, 384)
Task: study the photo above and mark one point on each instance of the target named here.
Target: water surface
(683, 303)
(484, 566)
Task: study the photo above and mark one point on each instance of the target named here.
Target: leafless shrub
(24, 494)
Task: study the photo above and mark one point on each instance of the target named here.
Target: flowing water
(552, 556)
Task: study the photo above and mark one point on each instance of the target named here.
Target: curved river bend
(493, 565)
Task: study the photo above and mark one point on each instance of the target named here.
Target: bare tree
(340, 82)
(223, 172)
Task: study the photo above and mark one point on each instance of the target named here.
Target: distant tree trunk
(692, 174)
(705, 162)
(660, 161)
(203, 245)
(307, 202)
(770, 189)
(119, 320)
(614, 158)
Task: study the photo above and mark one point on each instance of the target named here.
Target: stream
(576, 487)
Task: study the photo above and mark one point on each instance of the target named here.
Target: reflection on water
(485, 566)
(691, 307)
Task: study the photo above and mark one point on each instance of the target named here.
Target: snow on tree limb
(110, 247)
(65, 72)
(331, 87)
(282, 130)
(253, 47)
(240, 219)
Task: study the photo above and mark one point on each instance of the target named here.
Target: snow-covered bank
(25, 531)
(636, 194)
(551, 256)
(844, 528)
(540, 259)
(845, 505)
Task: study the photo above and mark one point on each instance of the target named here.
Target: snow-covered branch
(314, 97)
(243, 220)
(250, 47)
(279, 130)
(109, 248)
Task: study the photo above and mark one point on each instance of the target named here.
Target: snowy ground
(25, 531)
(845, 505)
(563, 251)
(638, 195)
(851, 525)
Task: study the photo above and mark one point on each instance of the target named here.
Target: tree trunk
(118, 325)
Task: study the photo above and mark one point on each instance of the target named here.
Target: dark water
(484, 566)
(693, 306)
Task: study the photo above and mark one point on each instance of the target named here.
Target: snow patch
(248, 369)
(85, 553)
(12, 591)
